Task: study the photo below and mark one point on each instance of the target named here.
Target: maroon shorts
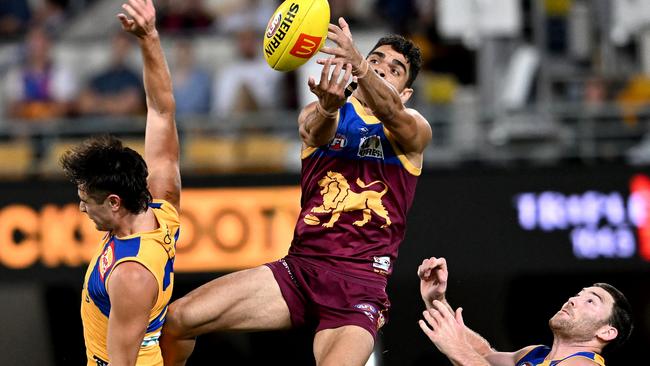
(325, 299)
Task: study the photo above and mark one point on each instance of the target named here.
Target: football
(295, 33)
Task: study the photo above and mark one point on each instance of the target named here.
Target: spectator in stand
(185, 16)
(14, 18)
(116, 91)
(192, 83)
(50, 14)
(39, 88)
(248, 83)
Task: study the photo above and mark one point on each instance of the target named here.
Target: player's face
(583, 314)
(390, 65)
(99, 212)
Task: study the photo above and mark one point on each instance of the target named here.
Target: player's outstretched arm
(318, 121)
(161, 150)
(408, 127)
(434, 274)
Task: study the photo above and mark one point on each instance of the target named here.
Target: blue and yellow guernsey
(155, 250)
(537, 357)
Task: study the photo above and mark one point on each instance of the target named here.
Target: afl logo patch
(339, 142)
(273, 26)
(106, 260)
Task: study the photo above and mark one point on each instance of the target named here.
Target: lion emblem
(339, 198)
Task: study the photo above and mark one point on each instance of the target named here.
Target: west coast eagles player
(129, 281)
(361, 161)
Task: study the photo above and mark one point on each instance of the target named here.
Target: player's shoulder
(164, 206)
(580, 360)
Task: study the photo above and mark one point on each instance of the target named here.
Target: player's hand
(345, 52)
(445, 328)
(330, 90)
(433, 276)
(141, 19)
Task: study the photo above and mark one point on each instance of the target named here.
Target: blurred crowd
(591, 54)
(39, 87)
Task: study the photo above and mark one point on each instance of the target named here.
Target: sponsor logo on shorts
(106, 260)
(381, 263)
(371, 147)
(375, 316)
(368, 309)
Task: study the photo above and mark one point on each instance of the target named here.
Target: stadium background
(535, 184)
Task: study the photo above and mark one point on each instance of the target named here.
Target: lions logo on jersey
(106, 260)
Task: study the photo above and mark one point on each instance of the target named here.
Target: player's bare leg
(248, 300)
(349, 345)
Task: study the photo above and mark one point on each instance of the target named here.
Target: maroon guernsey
(356, 192)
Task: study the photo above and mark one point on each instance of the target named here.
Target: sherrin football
(295, 33)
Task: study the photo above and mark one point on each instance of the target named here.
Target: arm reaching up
(161, 150)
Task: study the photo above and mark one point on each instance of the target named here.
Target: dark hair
(621, 317)
(101, 165)
(407, 48)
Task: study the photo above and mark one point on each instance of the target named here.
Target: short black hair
(621, 317)
(101, 165)
(407, 48)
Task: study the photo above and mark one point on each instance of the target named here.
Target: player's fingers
(440, 308)
(334, 28)
(311, 82)
(345, 27)
(138, 5)
(336, 74)
(459, 316)
(133, 14)
(325, 73)
(125, 22)
(348, 74)
(331, 51)
(430, 317)
(425, 328)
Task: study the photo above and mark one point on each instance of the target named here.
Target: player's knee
(176, 320)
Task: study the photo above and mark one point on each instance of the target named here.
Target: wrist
(325, 113)
(362, 70)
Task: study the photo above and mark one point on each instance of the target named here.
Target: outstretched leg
(349, 345)
(242, 301)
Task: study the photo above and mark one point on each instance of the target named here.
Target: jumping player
(360, 162)
(129, 281)
(598, 316)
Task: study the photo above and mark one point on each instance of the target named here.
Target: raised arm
(434, 274)
(318, 121)
(409, 128)
(161, 148)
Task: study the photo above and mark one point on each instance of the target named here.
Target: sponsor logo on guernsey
(339, 142)
(371, 147)
(106, 260)
(281, 31)
(381, 263)
(305, 46)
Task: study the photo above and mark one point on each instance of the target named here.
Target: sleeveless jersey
(536, 357)
(356, 192)
(155, 250)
